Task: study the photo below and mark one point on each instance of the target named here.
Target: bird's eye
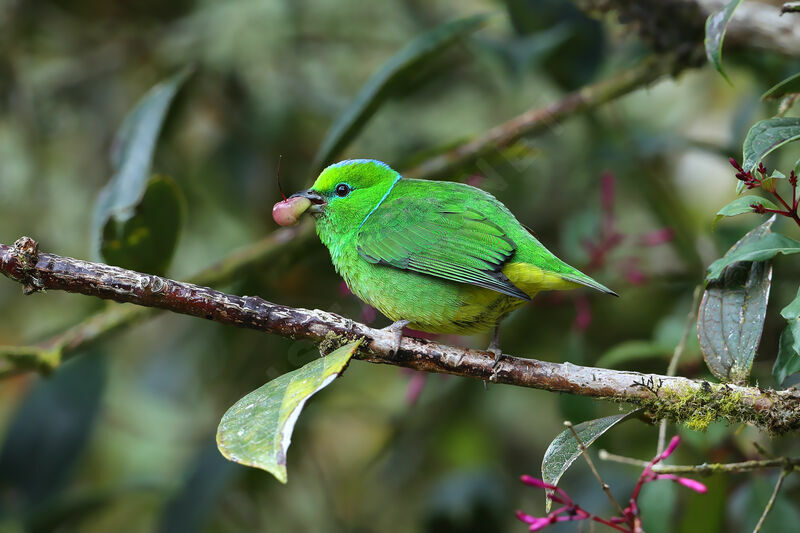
(342, 190)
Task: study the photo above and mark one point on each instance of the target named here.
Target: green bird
(436, 256)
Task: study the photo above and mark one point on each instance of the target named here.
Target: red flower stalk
(768, 184)
(630, 519)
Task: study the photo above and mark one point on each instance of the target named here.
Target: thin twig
(706, 469)
(676, 356)
(603, 484)
(541, 119)
(771, 502)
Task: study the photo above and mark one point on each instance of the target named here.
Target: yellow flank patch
(533, 279)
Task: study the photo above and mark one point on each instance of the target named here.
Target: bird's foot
(396, 329)
(494, 347)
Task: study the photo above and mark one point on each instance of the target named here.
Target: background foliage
(123, 437)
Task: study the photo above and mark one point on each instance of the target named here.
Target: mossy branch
(694, 402)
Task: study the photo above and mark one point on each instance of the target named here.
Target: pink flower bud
(735, 164)
(536, 482)
(693, 484)
(671, 447)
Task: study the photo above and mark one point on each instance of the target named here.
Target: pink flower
(686, 482)
(629, 521)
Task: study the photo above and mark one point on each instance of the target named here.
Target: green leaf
(564, 449)
(762, 249)
(382, 84)
(146, 241)
(257, 430)
(788, 360)
(132, 156)
(716, 24)
(788, 86)
(767, 135)
(733, 308)
(740, 206)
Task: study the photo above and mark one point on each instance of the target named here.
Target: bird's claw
(498, 355)
(396, 328)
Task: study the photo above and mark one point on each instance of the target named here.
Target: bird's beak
(317, 201)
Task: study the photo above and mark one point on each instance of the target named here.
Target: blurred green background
(121, 438)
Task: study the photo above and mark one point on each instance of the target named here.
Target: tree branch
(706, 469)
(539, 120)
(48, 354)
(677, 398)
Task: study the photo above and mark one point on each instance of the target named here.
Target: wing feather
(453, 243)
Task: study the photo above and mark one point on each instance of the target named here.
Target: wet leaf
(146, 241)
(788, 86)
(257, 430)
(716, 24)
(132, 156)
(788, 360)
(742, 205)
(768, 135)
(564, 449)
(733, 308)
(382, 84)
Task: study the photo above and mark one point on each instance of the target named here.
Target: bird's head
(343, 195)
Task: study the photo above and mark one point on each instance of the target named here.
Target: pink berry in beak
(288, 212)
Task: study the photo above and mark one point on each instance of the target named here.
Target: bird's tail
(582, 279)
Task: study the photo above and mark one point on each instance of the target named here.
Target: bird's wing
(450, 242)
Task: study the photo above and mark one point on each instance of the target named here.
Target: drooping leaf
(742, 205)
(716, 24)
(768, 135)
(788, 360)
(788, 86)
(381, 85)
(132, 156)
(761, 249)
(147, 240)
(733, 308)
(564, 449)
(257, 430)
